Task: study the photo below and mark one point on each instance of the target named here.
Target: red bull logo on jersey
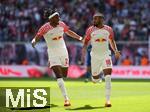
(100, 40)
(57, 38)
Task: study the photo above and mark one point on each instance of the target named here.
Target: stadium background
(21, 19)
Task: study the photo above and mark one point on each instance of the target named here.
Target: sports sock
(107, 87)
(61, 85)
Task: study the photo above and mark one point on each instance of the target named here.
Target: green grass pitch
(127, 96)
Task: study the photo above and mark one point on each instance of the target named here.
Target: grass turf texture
(127, 95)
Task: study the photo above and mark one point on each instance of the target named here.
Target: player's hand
(81, 39)
(117, 54)
(33, 42)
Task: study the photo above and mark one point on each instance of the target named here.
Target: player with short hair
(100, 35)
(53, 31)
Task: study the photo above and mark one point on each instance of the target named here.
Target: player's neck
(100, 26)
(53, 24)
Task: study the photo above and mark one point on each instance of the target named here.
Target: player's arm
(113, 44)
(70, 32)
(74, 35)
(38, 36)
(84, 48)
(85, 43)
(35, 40)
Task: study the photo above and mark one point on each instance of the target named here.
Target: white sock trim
(107, 87)
(62, 87)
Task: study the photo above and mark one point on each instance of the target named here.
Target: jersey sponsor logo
(100, 40)
(57, 38)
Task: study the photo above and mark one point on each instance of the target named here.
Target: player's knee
(96, 77)
(65, 71)
(58, 76)
(107, 71)
(96, 80)
(65, 75)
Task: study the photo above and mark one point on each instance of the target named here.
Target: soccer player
(100, 35)
(53, 31)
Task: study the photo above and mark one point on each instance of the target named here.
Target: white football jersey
(54, 38)
(99, 38)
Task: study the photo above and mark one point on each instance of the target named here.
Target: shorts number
(108, 62)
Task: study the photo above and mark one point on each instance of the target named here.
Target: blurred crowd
(20, 20)
(24, 54)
